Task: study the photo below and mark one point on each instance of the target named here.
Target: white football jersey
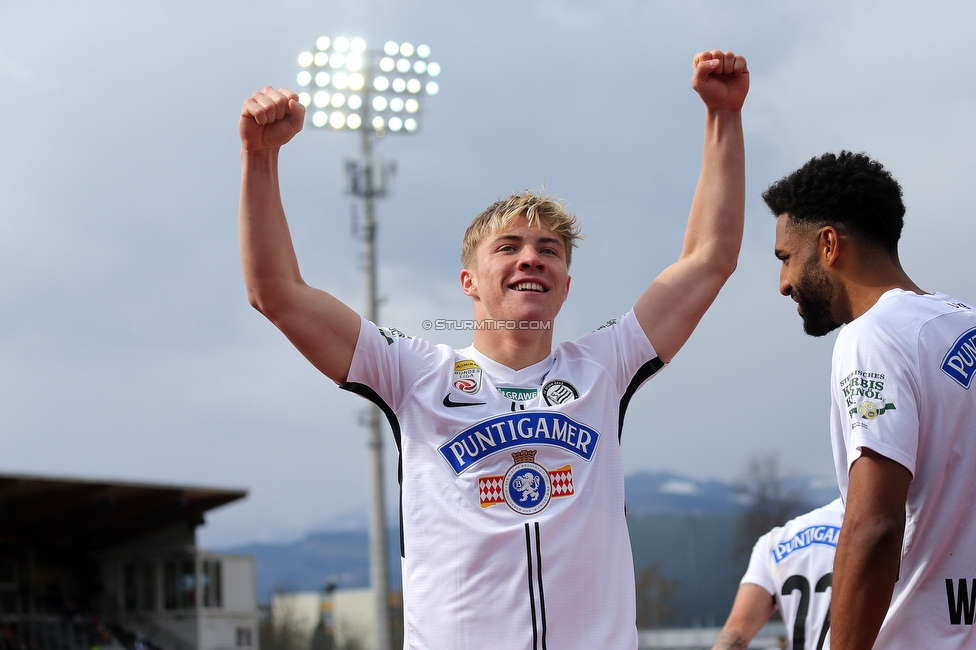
(902, 385)
(795, 564)
(513, 532)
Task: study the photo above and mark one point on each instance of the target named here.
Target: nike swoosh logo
(448, 403)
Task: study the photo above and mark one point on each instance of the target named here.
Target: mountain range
(659, 507)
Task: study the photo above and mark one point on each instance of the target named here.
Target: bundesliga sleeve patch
(527, 487)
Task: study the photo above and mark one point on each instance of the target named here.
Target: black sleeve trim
(365, 391)
(644, 373)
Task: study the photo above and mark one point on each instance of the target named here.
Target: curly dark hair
(849, 191)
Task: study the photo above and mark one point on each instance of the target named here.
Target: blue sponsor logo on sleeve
(960, 361)
(507, 431)
(826, 535)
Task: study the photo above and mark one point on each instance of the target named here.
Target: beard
(815, 295)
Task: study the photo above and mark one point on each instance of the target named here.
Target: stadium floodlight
(347, 86)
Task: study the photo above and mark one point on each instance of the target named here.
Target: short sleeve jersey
(794, 563)
(902, 386)
(513, 532)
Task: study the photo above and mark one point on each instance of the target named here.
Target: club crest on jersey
(518, 394)
(467, 376)
(960, 361)
(527, 487)
(558, 392)
(514, 431)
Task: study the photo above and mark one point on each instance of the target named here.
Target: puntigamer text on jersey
(503, 432)
(813, 535)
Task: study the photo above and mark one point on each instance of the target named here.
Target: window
(179, 584)
(244, 637)
(129, 589)
(210, 583)
(147, 587)
(139, 587)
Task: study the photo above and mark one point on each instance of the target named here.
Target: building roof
(97, 514)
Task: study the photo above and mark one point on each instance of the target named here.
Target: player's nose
(529, 258)
(785, 286)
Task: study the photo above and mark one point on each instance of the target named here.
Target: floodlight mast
(373, 107)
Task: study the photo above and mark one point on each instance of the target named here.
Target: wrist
(259, 161)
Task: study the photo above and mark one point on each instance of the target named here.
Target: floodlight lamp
(413, 86)
(378, 123)
(306, 59)
(433, 69)
(423, 51)
(381, 83)
(340, 80)
(337, 60)
(432, 87)
(395, 124)
(323, 43)
(391, 48)
(354, 62)
(419, 67)
(304, 78)
(379, 103)
(341, 44)
(403, 65)
(320, 119)
(387, 64)
(304, 99)
(355, 102)
(338, 100)
(410, 125)
(412, 105)
(406, 49)
(321, 99)
(337, 120)
(398, 85)
(354, 121)
(357, 45)
(321, 59)
(322, 79)
(356, 81)
(396, 104)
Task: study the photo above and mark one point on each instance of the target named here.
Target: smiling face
(519, 274)
(804, 278)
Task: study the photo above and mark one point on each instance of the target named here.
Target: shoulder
(902, 320)
(376, 340)
(611, 336)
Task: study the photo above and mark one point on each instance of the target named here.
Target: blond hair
(537, 208)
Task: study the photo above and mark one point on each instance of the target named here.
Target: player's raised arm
(671, 307)
(320, 326)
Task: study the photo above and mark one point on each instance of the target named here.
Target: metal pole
(379, 574)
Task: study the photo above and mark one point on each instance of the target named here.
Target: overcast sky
(128, 350)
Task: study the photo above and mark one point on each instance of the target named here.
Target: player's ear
(829, 245)
(469, 283)
(568, 281)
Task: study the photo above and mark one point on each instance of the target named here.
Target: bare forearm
(267, 254)
(865, 569)
(717, 215)
(751, 610)
(730, 640)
